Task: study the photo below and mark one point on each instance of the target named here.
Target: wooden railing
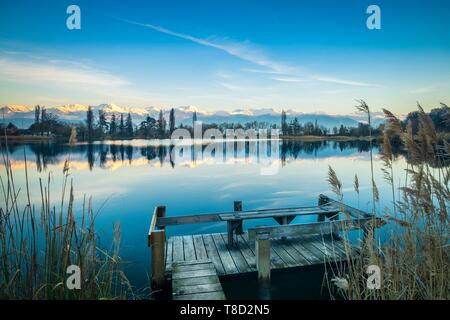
(326, 208)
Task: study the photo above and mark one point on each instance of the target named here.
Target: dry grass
(39, 241)
(414, 259)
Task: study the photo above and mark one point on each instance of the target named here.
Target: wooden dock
(241, 258)
(259, 250)
(196, 280)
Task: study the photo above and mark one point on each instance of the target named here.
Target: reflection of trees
(100, 153)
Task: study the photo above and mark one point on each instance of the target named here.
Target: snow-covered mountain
(24, 115)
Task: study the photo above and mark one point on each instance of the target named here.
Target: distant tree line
(121, 126)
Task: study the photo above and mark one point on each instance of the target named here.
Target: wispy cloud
(283, 79)
(245, 51)
(426, 89)
(57, 73)
(342, 81)
(242, 50)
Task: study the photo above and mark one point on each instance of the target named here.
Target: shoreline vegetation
(48, 127)
(39, 240)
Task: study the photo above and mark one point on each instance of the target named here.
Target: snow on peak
(16, 108)
(72, 108)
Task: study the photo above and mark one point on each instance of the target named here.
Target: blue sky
(303, 55)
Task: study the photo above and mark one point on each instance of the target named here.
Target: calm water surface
(127, 179)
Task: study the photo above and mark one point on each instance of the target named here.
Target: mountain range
(23, 116)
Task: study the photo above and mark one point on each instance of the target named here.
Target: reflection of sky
(132, 188)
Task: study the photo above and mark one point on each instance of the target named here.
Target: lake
(127, 179)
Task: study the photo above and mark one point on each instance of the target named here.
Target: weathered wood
(225, 256)
(195, 289)
(200, 250)
(326, 227)
(157, 243)
(278, 213)
(178, 250)
(239, 260)
(194, 266)
(239, 226)
(196, 280)
(189, 250)
(217, 295)
(193, 273)
(169, 252)
(354, 212)
(262, 245)
(247, 252)
(188, 219)
(158, 246)
(283, 254)
(213, 254)
(310, 256)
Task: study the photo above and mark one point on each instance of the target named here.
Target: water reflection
(113, 154)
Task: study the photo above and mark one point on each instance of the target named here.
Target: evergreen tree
(102, 123)
(121, 125)
(37, 113)
(113, 125)
(161, 124)
(129, 125)
(90, 123)
(172, 120)
(284, 125)
(194, 118)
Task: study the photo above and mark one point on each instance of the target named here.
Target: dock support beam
(157, 242)
(238, 207)
(262, 246)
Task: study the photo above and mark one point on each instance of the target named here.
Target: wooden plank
(200, 250)
(238, 258)
(195, 281)
(300, 260)
(196, 289)
(218, 295)
(318, 255)
(193, 273)
(188, 219)
(316, 248)
(309, 228)
(354, 212)
(262, 247)
(277, 213)
(178, 251)
(227, 261)
(158, 247)
(330, 246)
(211, 250)
(246, 251)
(253, 214)
(169, 252)
(193, 267)
(307, 254)
(188, 247)
(284, 255)
(327, 252)
(275, 260)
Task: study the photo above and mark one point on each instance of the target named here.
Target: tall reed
(414, 257)
(39, 241)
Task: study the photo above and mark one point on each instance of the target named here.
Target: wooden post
(239, 226)
(262, 246)
(322, 200)
(158, 246)
(157, 243)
